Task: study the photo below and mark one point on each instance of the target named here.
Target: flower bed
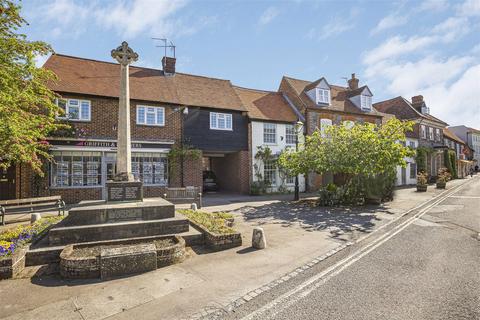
(13, 245)
(216, 228)
(17, 237)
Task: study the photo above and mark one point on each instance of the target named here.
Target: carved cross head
(124, 54)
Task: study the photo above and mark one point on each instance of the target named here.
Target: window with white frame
(150, 116)
(323, 96)
(437, 135)
(150, 168)
(290, 180)
(269, 133)
(423, 131)
(75, 169)
(220, 121)
(75, 109)
(270, 173)
(412, 144)
(365, 102)
(413, 170)
(430, 134)
(324, 124)
(290, 134)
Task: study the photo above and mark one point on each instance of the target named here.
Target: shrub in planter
(422, 182)
(442, 178)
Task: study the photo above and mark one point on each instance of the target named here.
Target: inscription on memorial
(124, 214)
(124, 191)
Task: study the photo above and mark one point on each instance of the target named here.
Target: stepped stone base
(99, 212)
(120, 230)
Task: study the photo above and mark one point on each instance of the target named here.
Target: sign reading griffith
(107, 144)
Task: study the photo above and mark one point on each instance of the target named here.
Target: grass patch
(213, 222)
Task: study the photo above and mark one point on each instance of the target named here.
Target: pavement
(296, 234)
(426, 268)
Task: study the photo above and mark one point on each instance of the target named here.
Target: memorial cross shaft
(124, 56)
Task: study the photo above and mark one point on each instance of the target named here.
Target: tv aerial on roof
(167, 44)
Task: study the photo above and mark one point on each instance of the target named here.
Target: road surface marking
(302, 290)
(465, 197)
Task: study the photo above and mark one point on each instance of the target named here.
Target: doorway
(7, 183)
(404, 176)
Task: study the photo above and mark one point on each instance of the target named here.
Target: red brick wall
(232, 172)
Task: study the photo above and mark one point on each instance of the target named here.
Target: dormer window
(365, 102)
(323, 96)
(425, 109)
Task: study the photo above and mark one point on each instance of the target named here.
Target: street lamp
(298, 131)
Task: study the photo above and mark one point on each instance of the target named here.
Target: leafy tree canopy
(27, 108)
(364, 149)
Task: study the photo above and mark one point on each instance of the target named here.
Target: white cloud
(390, 21)
(433, 5)
(40, 60)
(411, 65)
(469, 8)
(268, 15)
(70, 18)
(335, 26)
(141, 16)
(396, 46)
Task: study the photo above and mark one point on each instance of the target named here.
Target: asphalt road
(428, 269)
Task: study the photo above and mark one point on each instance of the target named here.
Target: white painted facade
(408, 175)
(277, 146)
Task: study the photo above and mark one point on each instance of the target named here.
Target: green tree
(27, 108)
(365, 149)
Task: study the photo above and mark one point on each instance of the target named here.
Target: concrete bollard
(193, 206)
(35, 217)
(259, 240)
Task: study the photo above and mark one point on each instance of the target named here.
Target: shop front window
(150, 168)
(76, 169)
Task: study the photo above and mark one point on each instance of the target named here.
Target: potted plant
(442, 178)
(422, 182)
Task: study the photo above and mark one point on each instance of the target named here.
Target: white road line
(302, 290)
(465, 197)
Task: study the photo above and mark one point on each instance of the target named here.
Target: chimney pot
(168, 64)
(353, 82)
(417, 99)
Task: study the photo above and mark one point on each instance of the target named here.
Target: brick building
(427, 130)
(323, 104)
(272, 125)
(168, 109)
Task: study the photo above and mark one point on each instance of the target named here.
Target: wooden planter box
(421, 188)
(11, 266)
(217, 242)
(441, 185)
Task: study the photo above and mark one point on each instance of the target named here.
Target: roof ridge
(252, 89)
(138, 67)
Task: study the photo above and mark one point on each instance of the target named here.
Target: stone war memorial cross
(124, 187)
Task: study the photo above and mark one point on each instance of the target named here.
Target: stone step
(60, 235)
(100, 212)
(42, 255)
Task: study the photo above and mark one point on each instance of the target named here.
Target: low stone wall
(78, 267)
(119, 262)
(217, 242)
(12, 266)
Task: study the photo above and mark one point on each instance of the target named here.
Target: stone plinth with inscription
(124, 191)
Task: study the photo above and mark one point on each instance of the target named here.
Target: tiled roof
(452, 136)
(403, 109)
(92, 77)
(339, 97)
(266, 105)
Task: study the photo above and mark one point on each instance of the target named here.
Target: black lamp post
(298, 131)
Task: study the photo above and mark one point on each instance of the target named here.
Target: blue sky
(396, 47)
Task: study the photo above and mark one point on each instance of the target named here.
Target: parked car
(209, 181)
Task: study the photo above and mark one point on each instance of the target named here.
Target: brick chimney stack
(419, 104)
(417, 99)
(168, 64)
(353, 83)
